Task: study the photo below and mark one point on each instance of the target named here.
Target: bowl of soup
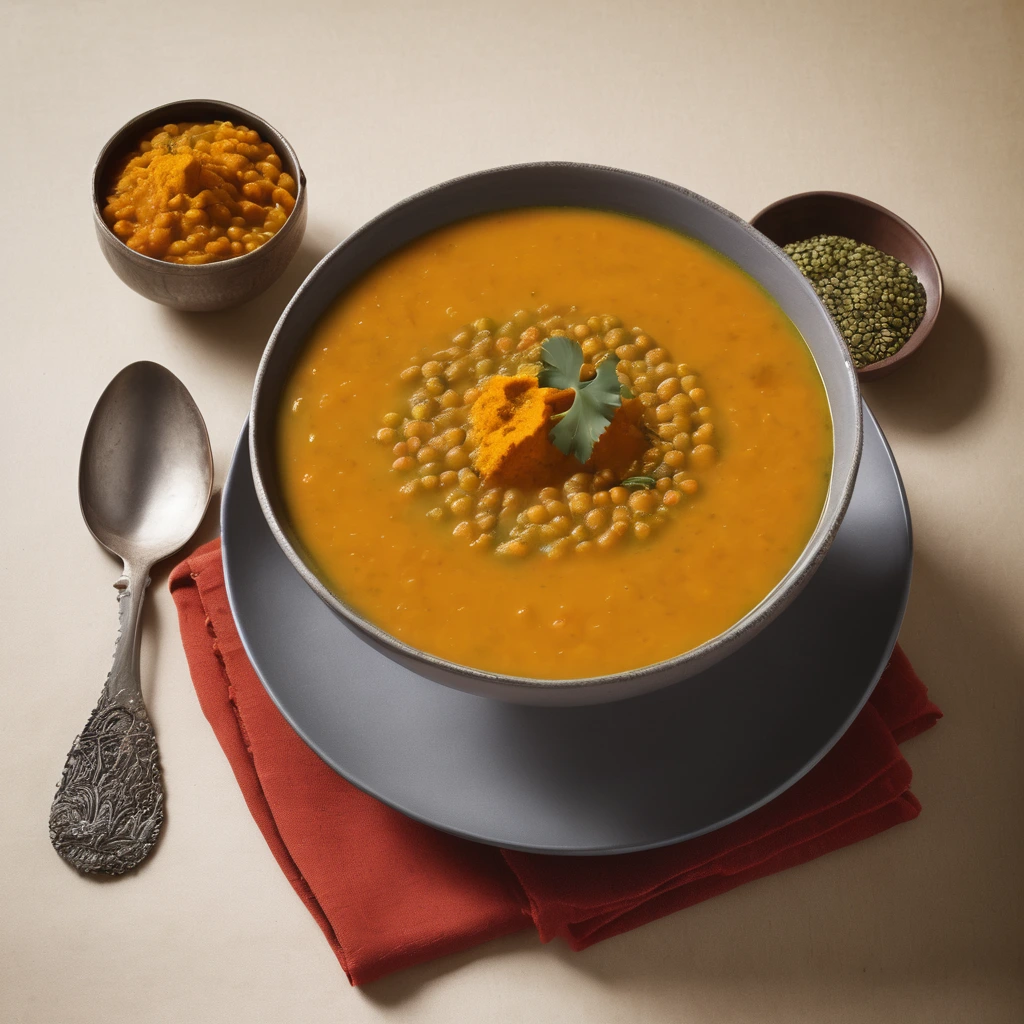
(555, 433)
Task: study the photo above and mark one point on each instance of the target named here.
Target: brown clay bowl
(838, 213)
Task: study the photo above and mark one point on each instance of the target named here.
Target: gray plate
(608, 778)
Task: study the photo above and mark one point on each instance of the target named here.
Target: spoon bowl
(146, 472)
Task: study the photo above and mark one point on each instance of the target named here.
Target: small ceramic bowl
(837, 213)
(210, 285)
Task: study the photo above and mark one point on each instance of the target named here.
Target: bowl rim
(923, 329)
(707, 653)
(144, 122)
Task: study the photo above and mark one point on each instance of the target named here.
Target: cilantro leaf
(563, 360)
(594, 403)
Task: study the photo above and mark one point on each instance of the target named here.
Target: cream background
(916, 105)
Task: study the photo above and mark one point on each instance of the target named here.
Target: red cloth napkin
(389, 892)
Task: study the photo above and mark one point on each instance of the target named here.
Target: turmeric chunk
(623, 443)
(510, 424)
(173, 174)
(510, 427)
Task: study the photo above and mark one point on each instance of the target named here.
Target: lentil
(875, 300)
(199, 193)
(554, 515)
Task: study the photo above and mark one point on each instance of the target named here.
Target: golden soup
(580, 575)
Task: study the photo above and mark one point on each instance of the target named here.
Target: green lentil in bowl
(875, 300)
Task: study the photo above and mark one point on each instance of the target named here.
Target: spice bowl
(838, 213)
(207, 286)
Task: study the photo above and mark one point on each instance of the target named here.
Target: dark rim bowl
(207, 286)
(838, 213)
(561, 184)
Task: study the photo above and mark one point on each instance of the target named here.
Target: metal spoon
(144, 482)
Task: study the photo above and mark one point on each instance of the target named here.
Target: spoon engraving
(145, 481)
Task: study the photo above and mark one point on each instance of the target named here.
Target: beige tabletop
(916, 105)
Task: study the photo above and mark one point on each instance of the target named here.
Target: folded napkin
(389, 892)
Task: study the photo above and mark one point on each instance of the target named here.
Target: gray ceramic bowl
(562, 184)
(210, 285)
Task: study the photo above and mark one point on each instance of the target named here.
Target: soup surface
(390, 549)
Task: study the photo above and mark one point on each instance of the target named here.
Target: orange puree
(511, 420)
(744, 477)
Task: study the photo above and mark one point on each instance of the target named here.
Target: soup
(416, 459)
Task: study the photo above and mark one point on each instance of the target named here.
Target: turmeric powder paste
(510, 423)
(419, 475)
(198, 193)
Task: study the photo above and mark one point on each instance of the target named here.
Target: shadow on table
(242, 332)
(944, 383)
(937, 898)
(396, 989)
(154, 619)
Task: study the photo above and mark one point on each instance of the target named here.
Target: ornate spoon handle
(109, 805)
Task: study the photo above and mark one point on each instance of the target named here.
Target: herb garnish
(643, 483)
(594, 403)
